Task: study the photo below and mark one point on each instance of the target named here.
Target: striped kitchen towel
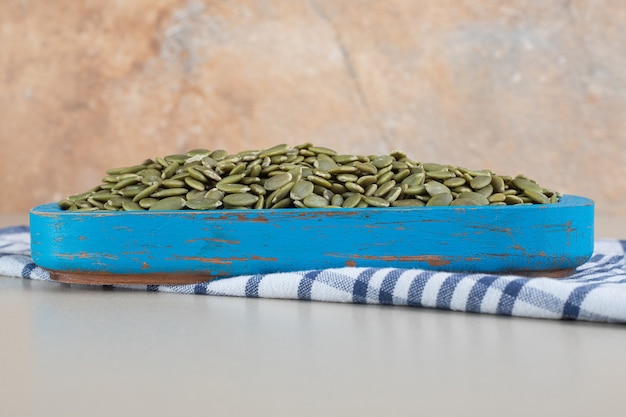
(595, 292)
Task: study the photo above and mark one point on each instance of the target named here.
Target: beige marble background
(517, 86)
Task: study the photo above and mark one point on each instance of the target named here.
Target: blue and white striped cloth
(595, 292)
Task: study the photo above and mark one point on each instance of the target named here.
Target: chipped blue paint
(224, 243)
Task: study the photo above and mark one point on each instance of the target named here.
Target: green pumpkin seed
(238, 169)
(537, 197)
(480, 181)
(214, 194)
(338, 188)
(475, 173)
(170, 170)
(350, 178)
(85, 204)
(497, 183)
(352, 201)
(343, 169)
(277, 181)
(233, 188)
(197, 175)
(219, 154)
(254, 171)
(321, 150)
(131, 206)
(398, 165)
(369, 190)
(169, 192)
(441, 174)
(81, 196)
(315, 201)
(162, 162)
(169, 203)
(284, 203)
(224, 167)
(118, 201)
(401, 175)
(260, 203)
(327, 165)
(231, 179)
(301, 190)
(179, 176)
(434, 188)
(393, 194)
(385, 177)
(194, 194)
(320, 181)
(279, 194)
(303, 146)
(513, 199)
(454, 182)
(275, 150)
(194, 183)
(414, 180)
(376, 201)
(429, 166)
(462, 189)
(122, 183)
(366, 180)
(480, 199)
(384, 188)
(496, 198)
(354, 187)
(327, 194)
(382, 161)
(322, 174)
(103, 197)
(525, 185)
(147, 202)
(486, 191)
(408, 203)
(176, 158)
(169, 183)
(95, 203)
(257, 189)
(209, 172)
(416, 190)
(270, 168)
(465, 202)
(336, 200)
(366, 167)
(442, 199)
(240, 199)
(296, 173)
(132, 190)
(279, 159)
(345, 159)
(126, 170)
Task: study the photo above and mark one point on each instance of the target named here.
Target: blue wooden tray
(191, 246)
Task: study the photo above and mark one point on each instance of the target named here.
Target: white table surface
(88, 351)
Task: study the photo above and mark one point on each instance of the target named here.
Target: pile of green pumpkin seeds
(304, 176)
